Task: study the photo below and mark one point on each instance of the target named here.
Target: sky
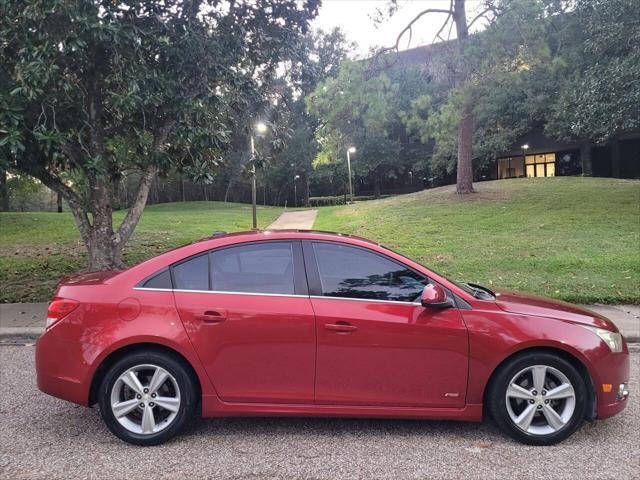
(353, 16)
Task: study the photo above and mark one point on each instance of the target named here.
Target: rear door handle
(213, 317)
(340, 327)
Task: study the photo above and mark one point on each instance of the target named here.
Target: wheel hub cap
(145, 399)
(540, 400)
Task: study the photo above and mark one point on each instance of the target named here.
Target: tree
(319, 58)
(461, 73)
(362, 110)
(513, 65)
(599, 90)
(100, 88)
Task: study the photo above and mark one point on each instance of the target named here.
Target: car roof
(287, 233)
(222, 239)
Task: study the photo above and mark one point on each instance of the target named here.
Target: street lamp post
(260, 128)
(524, 147)
(350, 150)
(295, 190)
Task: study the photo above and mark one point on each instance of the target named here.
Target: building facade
(541, 156)
(535, 155)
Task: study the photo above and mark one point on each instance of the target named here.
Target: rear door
(247, 311)
(377, 345)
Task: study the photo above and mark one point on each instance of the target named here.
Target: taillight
(60, 308)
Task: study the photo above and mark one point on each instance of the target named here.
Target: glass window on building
(510, 167)
(541, 165)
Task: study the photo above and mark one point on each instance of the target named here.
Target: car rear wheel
(538, 398)
(147, 397)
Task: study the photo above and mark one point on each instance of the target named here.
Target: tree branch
(135, 212)
(72, 198)
(445, 23)
(479, 16)
(410, 25)
(74, 154)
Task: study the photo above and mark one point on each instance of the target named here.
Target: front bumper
(612, 371)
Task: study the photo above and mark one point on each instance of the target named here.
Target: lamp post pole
(254, 212)
(295, 190)
(350, 150)
(525, 147)
(261, 128)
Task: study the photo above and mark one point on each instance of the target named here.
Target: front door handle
(213, 317)
(342, 327)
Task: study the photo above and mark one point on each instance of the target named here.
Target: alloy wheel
(145, 399)
(540, 400)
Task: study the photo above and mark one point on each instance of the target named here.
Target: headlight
(612, 339)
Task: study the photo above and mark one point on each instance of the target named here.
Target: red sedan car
(318, 324)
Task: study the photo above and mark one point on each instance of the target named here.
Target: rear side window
(192, 274)
(255, 268)
(355, 273)
(159, 280)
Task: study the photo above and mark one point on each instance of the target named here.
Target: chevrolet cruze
(318, 324)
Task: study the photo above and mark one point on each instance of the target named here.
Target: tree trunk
(204, 191)
(464, 181)
(615, 157)
(585, 159)
(227, 191)
(376, 187)
(103, 243)
(59, 202)
(4, 191)
(103, 254)
(182, 197)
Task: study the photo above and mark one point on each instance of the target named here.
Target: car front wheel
(538, 398)
(147, 397)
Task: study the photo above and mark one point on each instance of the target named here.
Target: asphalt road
(41, 437)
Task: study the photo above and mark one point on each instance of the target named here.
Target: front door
(247, 312)
(377, 345)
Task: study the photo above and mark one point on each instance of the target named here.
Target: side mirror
(434, 296)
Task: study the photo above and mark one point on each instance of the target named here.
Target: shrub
(362, 198)
(326, 201)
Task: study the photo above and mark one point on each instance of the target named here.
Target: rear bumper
(61, 368)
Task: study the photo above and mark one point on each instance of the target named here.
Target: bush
(362, 198)
(326, 201)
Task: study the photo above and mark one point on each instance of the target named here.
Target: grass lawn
(36, 249)
(575, 239)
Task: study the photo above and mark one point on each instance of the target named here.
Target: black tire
(187, 391)
(497, 402)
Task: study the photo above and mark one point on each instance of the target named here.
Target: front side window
(352, 272)
(192, 274)
(254, 268)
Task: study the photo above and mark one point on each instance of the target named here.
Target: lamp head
(261, 127)
(525, 146)
(352, 150)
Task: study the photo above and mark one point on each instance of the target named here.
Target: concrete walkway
(26, 320)
(301, 220)
(22, 319)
